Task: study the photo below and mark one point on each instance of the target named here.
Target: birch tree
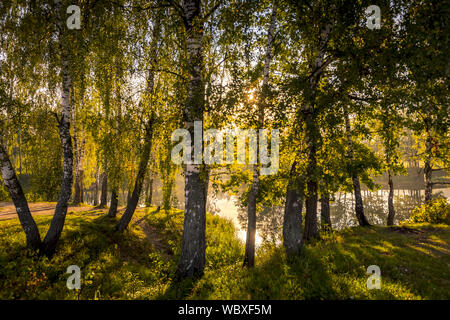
(249, 258)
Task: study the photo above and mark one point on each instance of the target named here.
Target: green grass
(413, 266)
(414, 262)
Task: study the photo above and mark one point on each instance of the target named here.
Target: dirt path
(8, 211)
(153, 236)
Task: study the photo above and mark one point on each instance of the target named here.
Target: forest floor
(140, 264)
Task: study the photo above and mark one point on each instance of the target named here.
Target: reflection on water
(270, 220)
(375, 207)
(227, 207)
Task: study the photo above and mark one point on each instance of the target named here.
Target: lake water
(270, 221)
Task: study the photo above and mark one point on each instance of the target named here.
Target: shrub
(438, 211)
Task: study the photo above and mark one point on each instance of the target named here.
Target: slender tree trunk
(77, 189)
(325, 213)
(391, 214)
(193, 246)
(428, 169)
(359, 206)
(167, 194)
(20, 202)
(96, 188)
(104, 195)
(168, 182)
(292, 222)
(59, 217)
(57, 224)
(113, 204)
(145, 156)
(134, 199)
(78, 147)
(249, 258)
(312, 136)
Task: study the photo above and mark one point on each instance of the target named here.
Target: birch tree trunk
(359, 206)
(249, 258)
(20, 202)
(57, 224)
(193, 246)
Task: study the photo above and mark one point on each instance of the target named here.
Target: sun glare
(242, 235)
(251, 95)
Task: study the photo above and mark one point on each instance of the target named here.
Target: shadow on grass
(403, 268)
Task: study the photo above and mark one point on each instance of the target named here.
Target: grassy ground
(414, 262)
